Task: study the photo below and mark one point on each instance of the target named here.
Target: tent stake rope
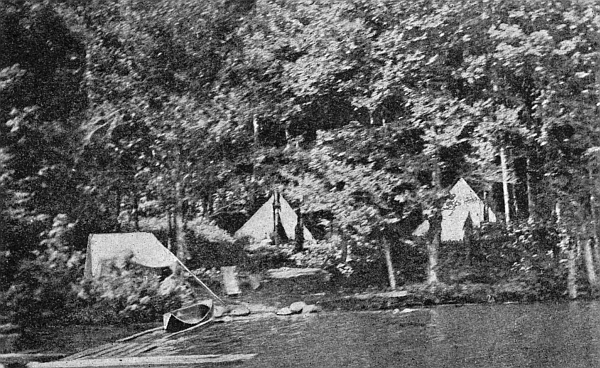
(199, 281)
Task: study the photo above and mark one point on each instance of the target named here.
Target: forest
(119, 114)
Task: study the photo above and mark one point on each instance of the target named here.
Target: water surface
(538, 335)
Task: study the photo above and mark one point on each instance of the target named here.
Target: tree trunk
(589, 264)
(255, 130)
(276, 212)
(516, 209)
(118, 210)
(170, 234)
(389, 264)
(468, 238)
(504, 167)
(433, 245)
(345, 245)
(435, 230)
(175, 234)
(531, 207)
(567, 246)
(179, 224)
(136, 215)
(572, 270)
(486, 208)
(432, 264)
(594, 214)
(299, 232)
(255, 136)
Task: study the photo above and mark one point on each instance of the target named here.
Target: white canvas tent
(262, 224)
(455, 212)
(143, 248)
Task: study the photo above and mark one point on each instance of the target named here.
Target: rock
(219, 311)
(239, 311)
(284, 312)
(311, 308)
(260, 308)
(408, 310)
(297, 307)
(254, 281)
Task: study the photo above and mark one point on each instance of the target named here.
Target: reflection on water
(538, 335)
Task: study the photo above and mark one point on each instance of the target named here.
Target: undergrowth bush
(49, 290)
(522, 262)
(127, 295)
(42, 291)
(210, 246)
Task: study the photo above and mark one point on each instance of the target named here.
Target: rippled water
(538, 335)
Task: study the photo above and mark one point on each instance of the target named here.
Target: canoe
(187, 317)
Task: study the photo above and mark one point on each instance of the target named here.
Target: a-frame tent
(140, 248)
(262, 224)
(465, 203)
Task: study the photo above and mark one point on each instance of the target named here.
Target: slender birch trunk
(178, 218)
(589, 263)
(435, 230)
(170, 234)
(135, 214)
(594, 214)
(567, 246)
(255, 136)
(531, 206)
(572, 269)
(432, 251)
(118, 209)
(504, 166)
(177, 236)
(389, 264)
(516, 208)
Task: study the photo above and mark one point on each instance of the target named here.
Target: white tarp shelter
(262, 224)
(142, 248)
(456, 210)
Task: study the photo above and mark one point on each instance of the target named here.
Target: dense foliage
(121, 112)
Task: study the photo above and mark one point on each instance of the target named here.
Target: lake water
(538, 335)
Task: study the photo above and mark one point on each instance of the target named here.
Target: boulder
(284, 312)
(297, 307)
(219, 311)
(311, 308)
(260, 308)
(254, 281)
(239, 311)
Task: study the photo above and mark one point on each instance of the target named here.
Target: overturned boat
(187, 317)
